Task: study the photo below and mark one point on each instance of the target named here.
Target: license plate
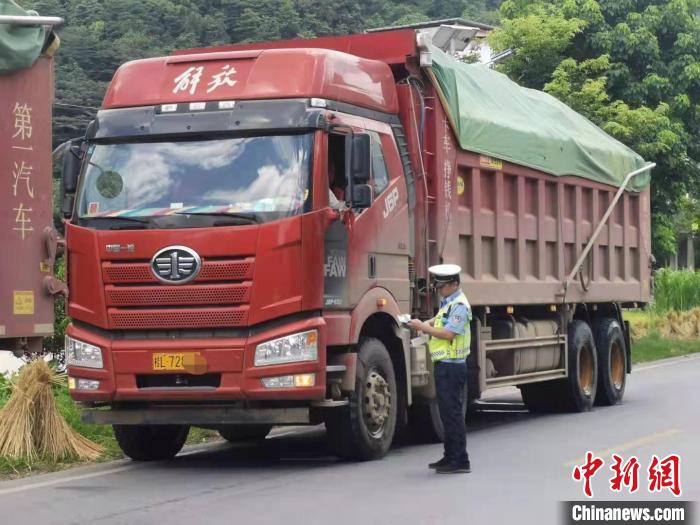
(168, 361)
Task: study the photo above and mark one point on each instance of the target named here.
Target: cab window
(380, 177)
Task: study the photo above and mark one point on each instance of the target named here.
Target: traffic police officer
(449, 343)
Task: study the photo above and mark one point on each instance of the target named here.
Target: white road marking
(58, 481)
(628, 445)
(674, 361)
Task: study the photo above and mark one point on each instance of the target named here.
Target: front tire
(612, 362)
(151, 442)
(365, 429)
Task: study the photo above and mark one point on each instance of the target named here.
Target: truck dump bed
(518, 231)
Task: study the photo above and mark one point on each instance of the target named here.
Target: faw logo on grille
(176, 265)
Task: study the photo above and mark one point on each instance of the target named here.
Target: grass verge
(653, 346)
(663, 335)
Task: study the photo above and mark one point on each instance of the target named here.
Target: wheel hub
(617, 366)
(586, 370)
(377, 403)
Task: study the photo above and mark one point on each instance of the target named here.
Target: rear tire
(365, 429)
(151, 442)
(238, 433)
(577, 392)
(612, 362)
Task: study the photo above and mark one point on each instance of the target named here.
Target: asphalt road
(521, 468)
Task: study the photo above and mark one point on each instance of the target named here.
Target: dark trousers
(450, 383)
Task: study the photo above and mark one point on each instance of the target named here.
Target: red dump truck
(213, 285)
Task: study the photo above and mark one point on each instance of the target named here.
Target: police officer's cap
(445, 273)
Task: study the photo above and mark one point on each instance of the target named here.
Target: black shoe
(453, 468)
(440, 463)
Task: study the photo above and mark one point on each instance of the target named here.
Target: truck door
(390, 255)
(348, 246)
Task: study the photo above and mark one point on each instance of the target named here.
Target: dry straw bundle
(30, 424)
(670, 325)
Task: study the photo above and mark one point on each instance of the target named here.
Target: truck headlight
(289, 349)
(79, 353)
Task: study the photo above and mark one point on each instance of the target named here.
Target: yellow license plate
(168, 361)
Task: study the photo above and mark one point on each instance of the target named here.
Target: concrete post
(691, 252)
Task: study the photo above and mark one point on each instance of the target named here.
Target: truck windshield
(255, 178)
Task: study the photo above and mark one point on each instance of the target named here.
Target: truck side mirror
(67, 204)
(361, 196)
(72, 161)
(360, 157)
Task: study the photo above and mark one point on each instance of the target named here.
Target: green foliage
(633, 68)
(676, 290)
(485, 11)
(5, 389)
(54, 344)
(653, 346)
(539, 38)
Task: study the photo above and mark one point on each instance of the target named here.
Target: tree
(633, 68)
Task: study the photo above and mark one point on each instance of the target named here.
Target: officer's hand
(417, 324)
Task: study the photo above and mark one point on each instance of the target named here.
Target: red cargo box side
(26, 96)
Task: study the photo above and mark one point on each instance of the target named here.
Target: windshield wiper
(139, 222)
(251, 217)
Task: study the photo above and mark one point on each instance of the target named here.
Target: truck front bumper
(199, 414)
(128, 375)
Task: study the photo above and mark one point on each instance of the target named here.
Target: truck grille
(178, 318)
(140, 272)
(217, 298)
(168, 295)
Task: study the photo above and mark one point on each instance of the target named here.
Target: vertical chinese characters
(22, 171)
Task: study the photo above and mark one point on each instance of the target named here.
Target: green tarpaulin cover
(20, 46)
(495, 116)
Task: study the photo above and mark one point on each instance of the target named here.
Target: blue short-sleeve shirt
(457, 321)
(459, 315)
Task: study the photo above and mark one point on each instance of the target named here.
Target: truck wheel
(425, 422)
(365, 429)
(542, 397)
(577, 392)
(612, 362)
(150, 442)
(237, 433)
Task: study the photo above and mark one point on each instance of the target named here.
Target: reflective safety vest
(458, 348)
